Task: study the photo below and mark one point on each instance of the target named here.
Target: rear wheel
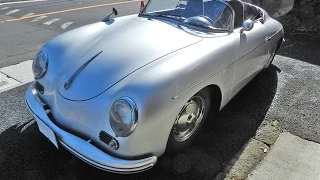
(189, 121)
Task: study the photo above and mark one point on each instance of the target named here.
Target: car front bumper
(83, 149)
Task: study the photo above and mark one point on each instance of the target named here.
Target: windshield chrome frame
(230, 30)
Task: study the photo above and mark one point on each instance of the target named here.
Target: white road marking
(74, 2)
(19, 2)
(38, 18)
(65, 25)
(52, 21)
(29, 14)
(4, 8)
(13, 11)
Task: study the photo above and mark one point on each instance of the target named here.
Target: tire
(176, 141)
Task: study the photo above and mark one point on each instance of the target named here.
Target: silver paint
(154, 62)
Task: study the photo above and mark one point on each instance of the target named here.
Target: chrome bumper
(83, 149)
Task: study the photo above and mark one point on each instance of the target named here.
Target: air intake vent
(105, 137)
(38, 87)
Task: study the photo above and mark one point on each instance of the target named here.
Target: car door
(250, 54)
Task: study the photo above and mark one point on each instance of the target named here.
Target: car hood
(125, 45)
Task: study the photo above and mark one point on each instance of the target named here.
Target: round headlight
(40, 64)
(123, 117)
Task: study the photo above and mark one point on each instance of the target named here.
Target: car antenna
(114, 12)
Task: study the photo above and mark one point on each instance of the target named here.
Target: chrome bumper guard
(83, 149)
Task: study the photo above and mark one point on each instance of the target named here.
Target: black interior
(239, 12)
(252, 12)
(243, 11)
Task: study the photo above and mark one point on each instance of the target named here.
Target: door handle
(268, 39)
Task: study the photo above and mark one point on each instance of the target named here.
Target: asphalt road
(288, 92)
(25, 153)
(21, 39)
(297, 101)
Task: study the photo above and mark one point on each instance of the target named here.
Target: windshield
(215, 12)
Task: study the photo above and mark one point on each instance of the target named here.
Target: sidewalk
(15, 75)
(290, 158)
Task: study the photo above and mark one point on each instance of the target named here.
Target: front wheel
(189, 121)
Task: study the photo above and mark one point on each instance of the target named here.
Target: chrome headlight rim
(134, 117)
(46, 64)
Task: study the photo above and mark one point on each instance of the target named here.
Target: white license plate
(45, 130)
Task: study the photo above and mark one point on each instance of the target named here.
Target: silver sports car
(121, 92)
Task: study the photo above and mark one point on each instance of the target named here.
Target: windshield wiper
(168, 15)
(70, 80)
(202, 26)
(171, 16)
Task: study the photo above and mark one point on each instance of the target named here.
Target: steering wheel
(214, 24)
(208, 19)
(219, 22)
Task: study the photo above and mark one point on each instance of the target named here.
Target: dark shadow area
(28, 154)
(302, 46)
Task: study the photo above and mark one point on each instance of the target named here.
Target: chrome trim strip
(276, 33)
(200, 82)
(133, 72)
(68, 83)
(104, 167)
(223, 68)
(82, 148)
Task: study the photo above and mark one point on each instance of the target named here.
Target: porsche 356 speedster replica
(121, 92)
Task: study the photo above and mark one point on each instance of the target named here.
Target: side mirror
(115, 12)
(247, 25)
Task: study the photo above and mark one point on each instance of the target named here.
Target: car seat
(238, 8)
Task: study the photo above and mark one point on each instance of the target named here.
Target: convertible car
(121, 92)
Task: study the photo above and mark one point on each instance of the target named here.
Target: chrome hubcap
(189, 119)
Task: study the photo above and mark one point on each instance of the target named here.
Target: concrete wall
(275, 8)
(307, 12)
(310, 12)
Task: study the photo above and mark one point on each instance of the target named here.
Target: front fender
(162, 88)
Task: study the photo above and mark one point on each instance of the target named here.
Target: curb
(15, 75)
(15, 86)
(252, 153)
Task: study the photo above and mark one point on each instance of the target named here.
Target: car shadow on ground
(27, 154)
